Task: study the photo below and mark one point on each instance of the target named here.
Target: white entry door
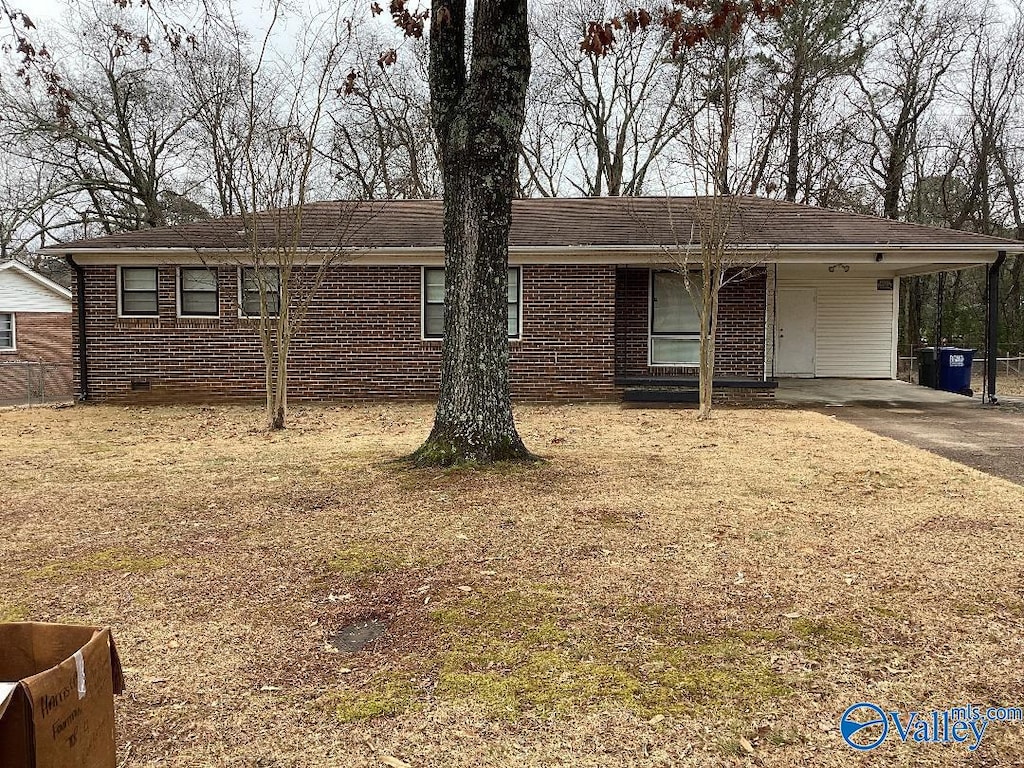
(795, 323)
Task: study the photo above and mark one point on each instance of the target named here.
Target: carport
(841, 320)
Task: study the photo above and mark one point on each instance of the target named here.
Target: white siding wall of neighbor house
(856, 322)
(19, 293)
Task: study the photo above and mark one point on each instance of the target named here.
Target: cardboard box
(57, 686)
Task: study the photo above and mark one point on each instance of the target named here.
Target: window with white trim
(6, 331)
(197, 292)
(433, 303)
(265, 281)
(139, 292)
(675, 320)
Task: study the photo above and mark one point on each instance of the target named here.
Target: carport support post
(992, 327)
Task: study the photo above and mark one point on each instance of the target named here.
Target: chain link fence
(1011, 366)
(34, 383)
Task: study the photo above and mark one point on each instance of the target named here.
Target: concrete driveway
(989, 438)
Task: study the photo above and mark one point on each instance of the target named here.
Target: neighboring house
(592, 311)
(35, 336)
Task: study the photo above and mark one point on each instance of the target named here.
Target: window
(513, 303)
(6, 331)
(198, 292)
(267, 279)
(433, 303)
(675, 322)
(138, 292)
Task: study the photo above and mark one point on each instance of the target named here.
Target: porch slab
(987, 438)
(879, 393)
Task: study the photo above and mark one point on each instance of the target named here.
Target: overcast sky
(252, 15)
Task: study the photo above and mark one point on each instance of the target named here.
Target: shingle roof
(557, 223)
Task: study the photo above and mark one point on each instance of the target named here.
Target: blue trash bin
(955, 370)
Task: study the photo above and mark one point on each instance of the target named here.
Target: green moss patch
(363, 560)
(827, 632)
(524, 653)
(384, 696)
(103, 561)
(12, 613)
(716, 674)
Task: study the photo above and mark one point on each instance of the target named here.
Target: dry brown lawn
(659, 592)
(1006, 383)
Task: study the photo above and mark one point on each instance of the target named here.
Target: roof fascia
(952, 253)
(931, 269)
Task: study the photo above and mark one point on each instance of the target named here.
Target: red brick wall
(39, 337)
(361, 339)
(44, 336)
(740, 338)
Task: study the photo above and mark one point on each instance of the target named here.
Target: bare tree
(997, 68)
(969, 184)
(275, 176)
(596, 122)
(898, 87)
(110, 112)
(27, 193)
(209, 76)
(383, 144)
(478, 87)
(803, 60)
(704, 254)
(543, 159)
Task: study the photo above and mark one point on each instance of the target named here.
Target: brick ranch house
(35, 336)
(594, 310)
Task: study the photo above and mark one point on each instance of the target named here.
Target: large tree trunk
(478, 119)
(1013, 304)
(793, 135)
(914, 307)
(891, 193)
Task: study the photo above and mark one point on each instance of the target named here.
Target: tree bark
(478, 118)
(914, 305)
(793, 146)
(710, 288)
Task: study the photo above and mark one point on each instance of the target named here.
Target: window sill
(137, 322)
(197, 322)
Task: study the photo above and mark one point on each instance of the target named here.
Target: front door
(795, 321)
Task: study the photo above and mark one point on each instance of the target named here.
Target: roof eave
(785, 252)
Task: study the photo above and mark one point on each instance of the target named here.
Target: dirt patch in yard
(660, 592)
